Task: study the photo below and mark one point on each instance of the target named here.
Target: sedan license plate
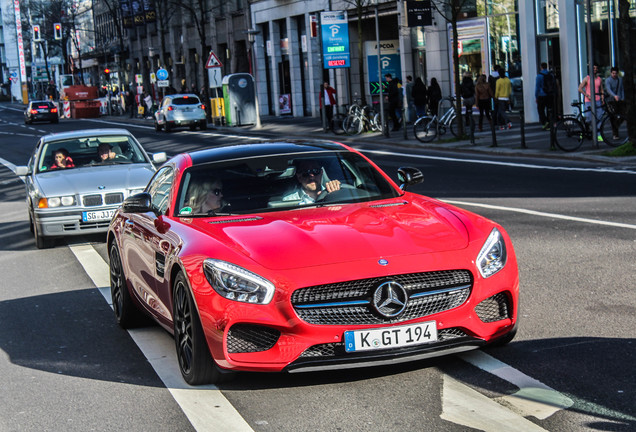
(100, 215)
(391, 337)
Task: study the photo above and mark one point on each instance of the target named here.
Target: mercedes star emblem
(389, 299)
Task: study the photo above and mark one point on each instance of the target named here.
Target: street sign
(163, 83)
(335, 39)
(213, 61)
(162, 74)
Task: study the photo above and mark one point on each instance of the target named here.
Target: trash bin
(239, 99)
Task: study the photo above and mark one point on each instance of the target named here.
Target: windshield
(186, 100)
(272, 183)
(78, 152)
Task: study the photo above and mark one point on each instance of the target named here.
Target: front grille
(331, 350)
(95, 200)
(347, 303)
(495, 308)
(247, 338)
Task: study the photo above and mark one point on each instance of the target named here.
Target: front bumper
(68, 223)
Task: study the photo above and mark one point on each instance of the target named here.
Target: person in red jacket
(62, 159)
(328, 94)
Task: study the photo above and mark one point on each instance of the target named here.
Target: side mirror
(139, 203)
(159, 158)
(409, 176)
(21, 171)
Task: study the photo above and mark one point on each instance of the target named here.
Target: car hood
(336, 234)
(93, 179)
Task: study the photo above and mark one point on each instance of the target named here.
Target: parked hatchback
(180, 110)
(41, 111)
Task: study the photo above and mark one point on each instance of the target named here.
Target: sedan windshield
(86, 151)
(281, 182)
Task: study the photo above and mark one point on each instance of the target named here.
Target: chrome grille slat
(335, 304)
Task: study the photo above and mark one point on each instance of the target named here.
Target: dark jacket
(395, 95)
(419, 93)
(434, 93)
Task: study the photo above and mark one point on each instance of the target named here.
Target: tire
(41, 242)
(57, 120)
(193, 127)
(168, 127)
(352, 125)
(569, 134)
(126, 313)
(195, 361)
(157, 126)
(453, 126)
(425, 129)
(376, 123)
(203, 125)
(607, 132)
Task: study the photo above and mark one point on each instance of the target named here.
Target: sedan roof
(84, 133)
(268, 148)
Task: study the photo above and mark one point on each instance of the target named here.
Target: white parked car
(76, 180)
(181, 110)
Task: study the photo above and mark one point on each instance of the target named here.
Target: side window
(159, 189)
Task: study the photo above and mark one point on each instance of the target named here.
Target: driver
(309, 176)
(105, 152)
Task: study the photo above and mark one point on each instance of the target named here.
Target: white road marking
(499, 163)
(205, 406)
(533, 398)
(467, 407)
(543, 214)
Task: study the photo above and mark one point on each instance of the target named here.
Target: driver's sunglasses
(311, 171)
(217, 191)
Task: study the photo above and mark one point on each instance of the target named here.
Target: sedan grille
(348, 303)
(95, 200)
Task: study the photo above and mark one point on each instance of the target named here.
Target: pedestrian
(328, 94)
(483, 94)
(467, 89)
(434, 96)
(410, 104)
(502, 95)
(492, 80)
(616, 96)
(584, 89)
(131, 102)
(544, 92)
(395, 101)
(419, 97)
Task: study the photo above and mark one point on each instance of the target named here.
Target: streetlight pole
(385, 129)
(251, 36)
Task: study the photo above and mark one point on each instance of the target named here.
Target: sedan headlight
(492, 256)
(63, 201)
(236, 283)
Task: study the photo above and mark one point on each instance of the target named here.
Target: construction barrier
(67, 108)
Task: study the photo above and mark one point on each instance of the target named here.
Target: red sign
(213, 61)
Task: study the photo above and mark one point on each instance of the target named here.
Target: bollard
(404, 122)
(522, 124)
(472, 126)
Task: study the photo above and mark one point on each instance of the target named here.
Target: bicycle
(572, 129)
(427, 127)
(361, 118)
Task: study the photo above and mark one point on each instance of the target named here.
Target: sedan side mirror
(21, 171)
(139, 203)
(159, 158)
(409, 176)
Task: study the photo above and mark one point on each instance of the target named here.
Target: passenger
(309, 176)
(206, 197)
(62, 159)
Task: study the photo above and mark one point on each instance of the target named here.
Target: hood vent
(246, 219)
(389, 204)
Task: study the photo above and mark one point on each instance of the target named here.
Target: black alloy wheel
(126, 313)
(195, 361)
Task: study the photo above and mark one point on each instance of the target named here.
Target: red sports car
(291, 256)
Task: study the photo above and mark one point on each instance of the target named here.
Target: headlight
(492, 256)
(236, 283)
(56, 201)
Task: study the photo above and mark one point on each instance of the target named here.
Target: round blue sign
(162, 74)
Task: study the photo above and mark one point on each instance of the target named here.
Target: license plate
(100, 215)
(390, 337)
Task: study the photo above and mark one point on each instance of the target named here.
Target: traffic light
(107, 74)
(57, 31)
(36, 34)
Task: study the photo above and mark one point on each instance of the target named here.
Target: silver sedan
(76, 180)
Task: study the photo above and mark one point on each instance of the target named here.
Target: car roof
(41, 101)
(84, 133)
(266, 148)
(178, 95)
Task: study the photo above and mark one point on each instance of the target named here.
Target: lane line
(533, 398)
(543, 214)
(205, 406)
(467, 407)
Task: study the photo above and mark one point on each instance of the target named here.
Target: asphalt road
(65, 365)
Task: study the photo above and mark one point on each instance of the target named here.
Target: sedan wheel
(157, 126)
(195, 361)
(127, 315)
(168, 127)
